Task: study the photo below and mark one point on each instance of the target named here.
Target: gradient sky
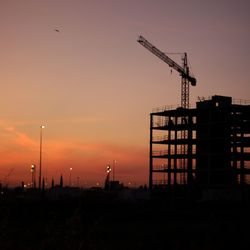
(93, 85)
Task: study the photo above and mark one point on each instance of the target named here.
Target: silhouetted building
(206, 147)
(61, 181)
(116, 185)
(52, 183)
(112, 185)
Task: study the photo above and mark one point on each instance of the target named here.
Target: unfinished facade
(206, 147)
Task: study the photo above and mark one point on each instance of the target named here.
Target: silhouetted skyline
(93, 86)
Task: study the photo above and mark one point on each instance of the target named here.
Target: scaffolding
(206, 147)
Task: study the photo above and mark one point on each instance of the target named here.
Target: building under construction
(204, 147)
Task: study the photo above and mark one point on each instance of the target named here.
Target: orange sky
(93, 85)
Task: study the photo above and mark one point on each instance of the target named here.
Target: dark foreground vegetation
(99, 220)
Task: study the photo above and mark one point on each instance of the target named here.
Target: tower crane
(186, 78)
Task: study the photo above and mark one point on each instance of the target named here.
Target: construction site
(207, 146)
(202, 148)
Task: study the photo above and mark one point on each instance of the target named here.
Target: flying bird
(56, 30)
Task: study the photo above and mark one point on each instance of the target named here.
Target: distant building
(205, 147)
(113, 185)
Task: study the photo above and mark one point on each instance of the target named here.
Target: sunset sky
(93, 86)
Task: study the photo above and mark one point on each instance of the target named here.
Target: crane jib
(166, 59)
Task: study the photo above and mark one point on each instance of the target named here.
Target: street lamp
(108, 169)
(70, 170)
(40, 165)
(33, 175)
(108, 178)
(114, 164)
(78, 181)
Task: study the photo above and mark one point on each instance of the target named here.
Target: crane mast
(184, 71)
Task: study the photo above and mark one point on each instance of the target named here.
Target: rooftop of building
(214, 98)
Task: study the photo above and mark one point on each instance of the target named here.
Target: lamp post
(108, 178)
(40, 165)
(78, 181)
(70, 170)
(33, 175)
(114, 164)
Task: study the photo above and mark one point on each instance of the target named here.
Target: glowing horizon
(93, 86)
